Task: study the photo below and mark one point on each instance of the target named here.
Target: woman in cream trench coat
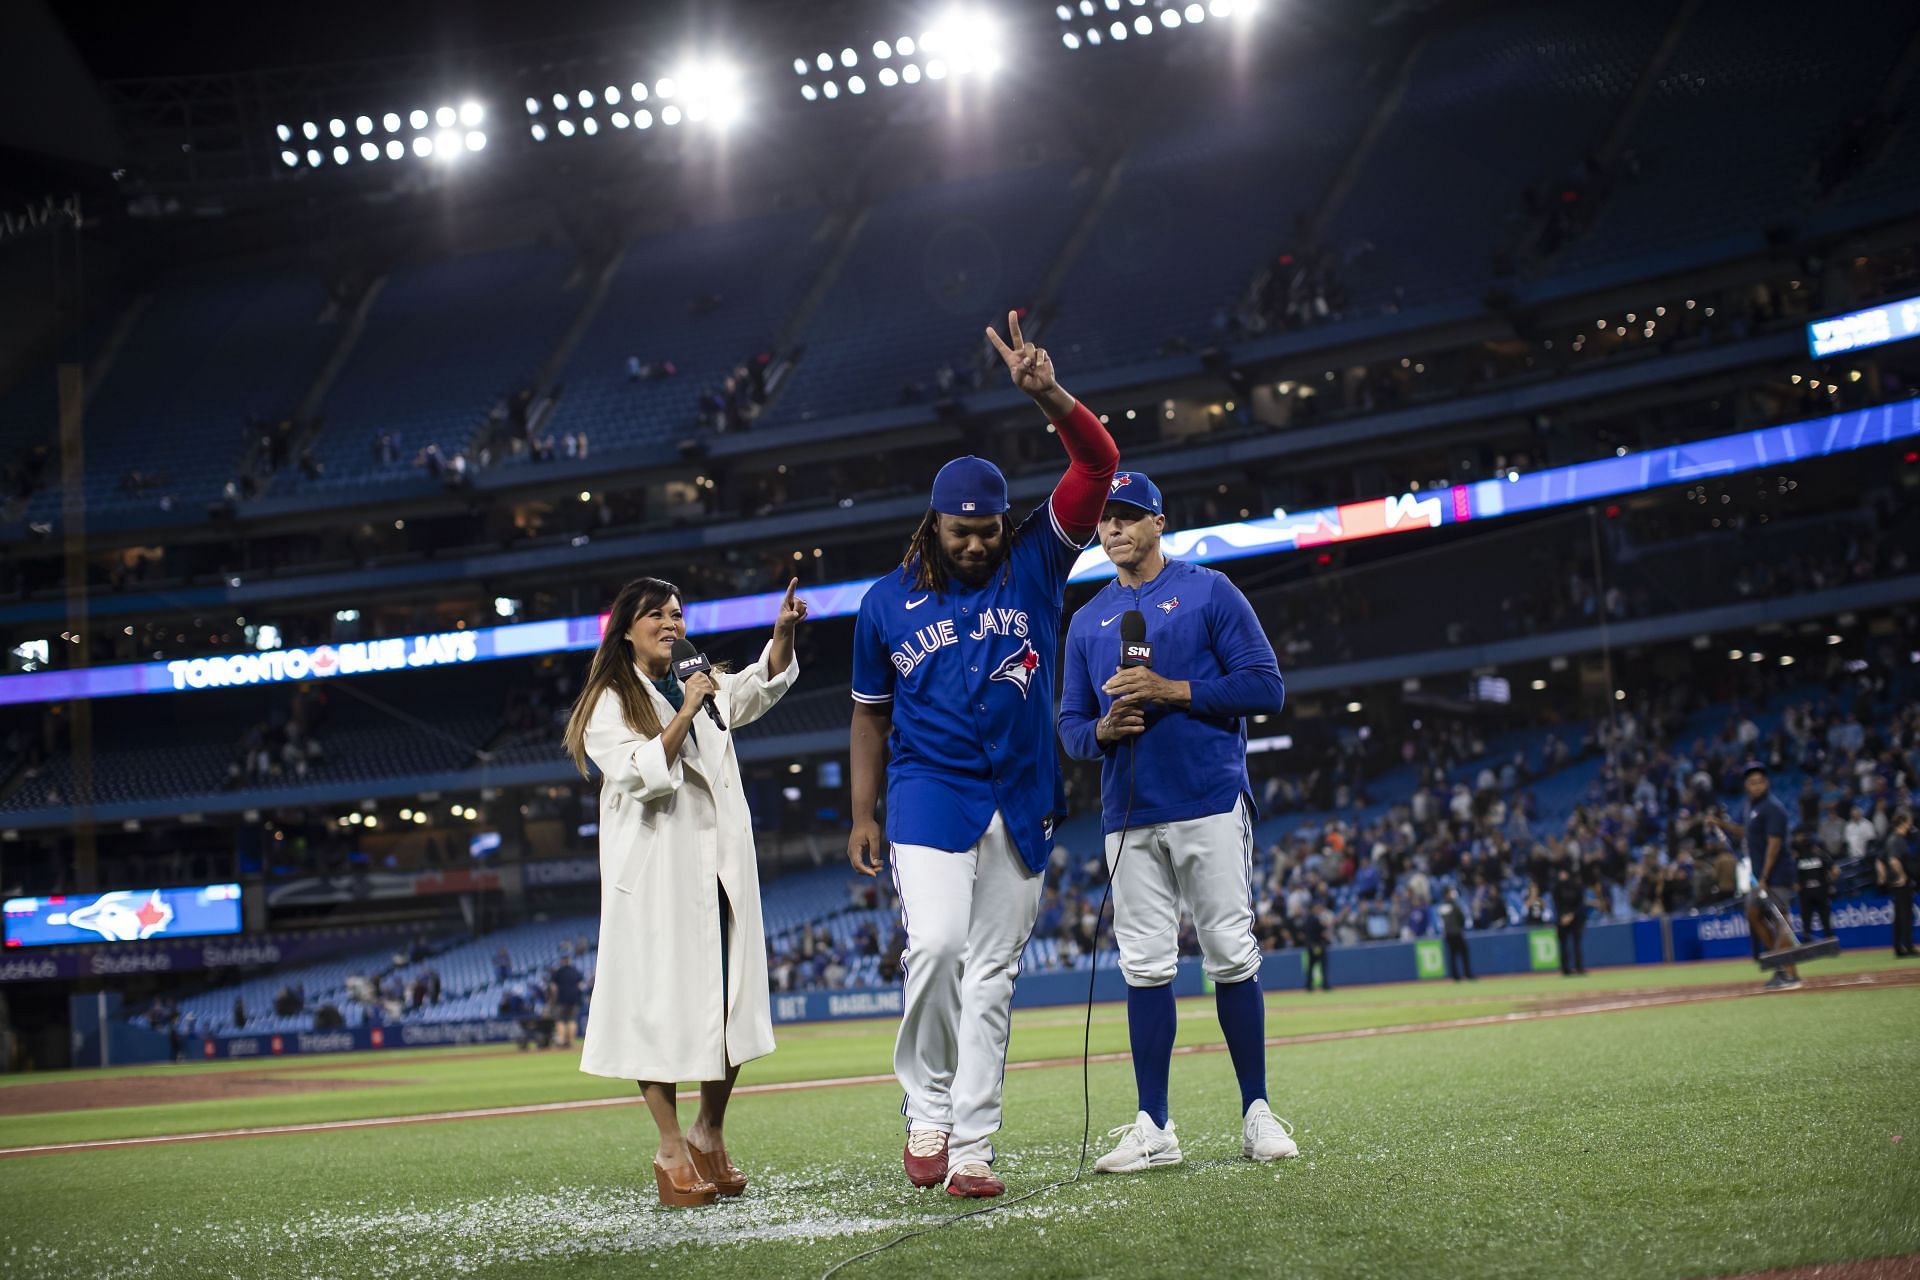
(680, 982)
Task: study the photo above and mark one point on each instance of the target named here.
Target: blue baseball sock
(1150, 1026)
(1243, 1019)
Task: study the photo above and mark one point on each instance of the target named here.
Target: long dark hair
(613, 668)
(924, 565)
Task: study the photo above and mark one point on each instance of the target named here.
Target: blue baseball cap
(1134, 489)
(970, 486)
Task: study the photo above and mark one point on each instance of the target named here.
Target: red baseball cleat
(926, 1157)
(975, 1181)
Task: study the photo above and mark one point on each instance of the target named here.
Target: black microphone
(687, 661)
(1135, 651)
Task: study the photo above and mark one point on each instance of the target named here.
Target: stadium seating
(932, 266)
(705, 299)
(1202, 202)
(444, 343)
(202, 357)
(1728, 141)
(1493, 106)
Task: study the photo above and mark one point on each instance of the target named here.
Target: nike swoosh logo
(915, 604)
(1108, 621)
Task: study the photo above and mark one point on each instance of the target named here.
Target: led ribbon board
(1282, 531)
(1858, 330)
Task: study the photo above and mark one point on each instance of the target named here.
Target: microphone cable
(1086, 1057)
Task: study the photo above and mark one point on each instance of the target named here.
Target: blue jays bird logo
(1167, 606)
(1019, 667)
(1120, 482)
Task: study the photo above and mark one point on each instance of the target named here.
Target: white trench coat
(669, 837)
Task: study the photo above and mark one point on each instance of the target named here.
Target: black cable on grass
(1086, 1078)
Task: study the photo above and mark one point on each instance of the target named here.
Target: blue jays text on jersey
(970, 679)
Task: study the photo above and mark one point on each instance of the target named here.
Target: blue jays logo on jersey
(1019, 667)
(1168, 605)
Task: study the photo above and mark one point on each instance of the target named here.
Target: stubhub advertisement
(124, 915)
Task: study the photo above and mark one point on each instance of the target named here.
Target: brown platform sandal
(717, 1169)
(684, 1188)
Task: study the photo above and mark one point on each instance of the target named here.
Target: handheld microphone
(1135, 651)
(687, 661)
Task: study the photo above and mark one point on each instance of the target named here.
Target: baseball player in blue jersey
(1172, 741)
(953, 689)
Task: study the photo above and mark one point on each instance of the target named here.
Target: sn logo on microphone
(1136, 653)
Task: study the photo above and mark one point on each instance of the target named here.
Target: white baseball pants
(1205, 864)
(968, 916)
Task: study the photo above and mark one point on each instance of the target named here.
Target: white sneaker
(1143, 1145)
(1266, 1137)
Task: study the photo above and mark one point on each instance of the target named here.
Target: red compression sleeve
(1093, 457)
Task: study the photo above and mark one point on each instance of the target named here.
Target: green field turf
(1704, 1139)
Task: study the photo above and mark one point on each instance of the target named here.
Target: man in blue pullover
(1177, 808)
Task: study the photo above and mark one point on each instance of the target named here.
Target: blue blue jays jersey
(1189, 763)
(971, 679)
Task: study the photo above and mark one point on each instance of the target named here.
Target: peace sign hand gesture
(1031, 368)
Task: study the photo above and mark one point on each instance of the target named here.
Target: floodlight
(670, 115)
(363, 125)
(882, 50)
(665, 87)
(337, 127)
(1169, 17)
(1143, 24)
(855, 85)
(341, 155)
(831, 89)
(369, 151)
(799, 66)
(586, 98)
(643, 119)
(539, 133)
(423, 145)
(619, 120)
(808, 92)
(397, 148)
(471, 114)
(445, 117)
(566, 128)
(417, 118)
(560, 102)
(912, 74)
(314, 158)
(290, 158)
(1221, 8)
(1118, 31)
(285, 134)
(1196, 12)
(638, 93)
(476, 141)
(589, 126)
(311, 130)
(824, 62)
(848, 58)
(904, 46)
(936, 69)
(1070, 40)
(1063, 13)
(391, 121)
(889, 77)
(533, 106)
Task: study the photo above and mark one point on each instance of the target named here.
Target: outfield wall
(1863, 923)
